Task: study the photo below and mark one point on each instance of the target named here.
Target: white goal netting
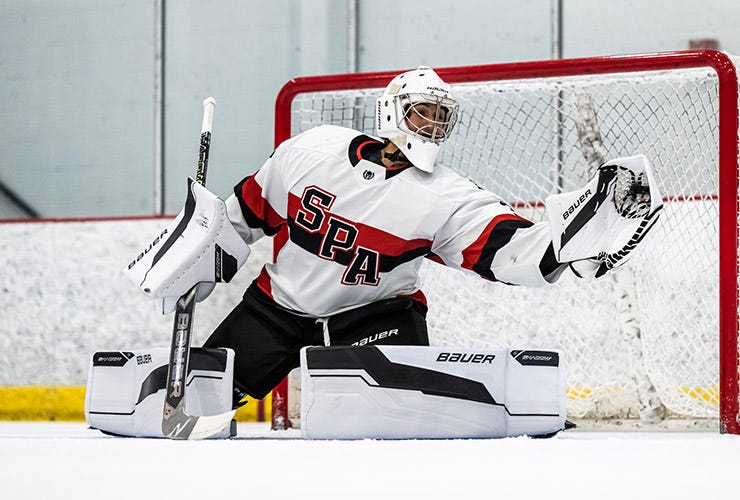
(643, 341)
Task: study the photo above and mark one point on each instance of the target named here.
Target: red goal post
(726, 197)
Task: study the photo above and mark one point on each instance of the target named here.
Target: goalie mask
(417, 113)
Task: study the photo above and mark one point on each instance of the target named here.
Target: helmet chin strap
(396, 156)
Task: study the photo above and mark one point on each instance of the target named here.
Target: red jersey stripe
(472, 254)
(251, 194)
(279, 241)
(367, 236)
(263, 283)
(419, 296)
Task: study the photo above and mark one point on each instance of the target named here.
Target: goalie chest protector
(411, 392)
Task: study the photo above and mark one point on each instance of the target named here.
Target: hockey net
(654, 342)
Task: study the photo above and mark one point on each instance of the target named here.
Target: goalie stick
(176, 422)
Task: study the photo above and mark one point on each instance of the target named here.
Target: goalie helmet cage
(654, 342)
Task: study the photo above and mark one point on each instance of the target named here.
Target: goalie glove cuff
(588, 268)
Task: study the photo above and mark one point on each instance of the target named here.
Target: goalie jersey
(348, 231)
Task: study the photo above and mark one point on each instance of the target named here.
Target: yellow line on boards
(67, 404)
(61, 403)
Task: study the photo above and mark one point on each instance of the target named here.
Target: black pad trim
(201, 358)
(397, 376)
(187, 215)
(111, 358)
(536, 358)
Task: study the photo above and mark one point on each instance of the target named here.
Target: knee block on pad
(126, 389)
(412, 392)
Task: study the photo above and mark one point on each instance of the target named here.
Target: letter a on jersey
(363, 270)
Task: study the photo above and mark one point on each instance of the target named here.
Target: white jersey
(349, 231)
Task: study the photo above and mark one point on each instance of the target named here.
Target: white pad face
(199, 246)
(607, 218)
(416, 392)
(126, 389)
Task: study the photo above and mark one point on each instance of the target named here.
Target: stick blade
(211, 425)
(179, 425)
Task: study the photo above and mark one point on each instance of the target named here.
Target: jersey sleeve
(258, 206)
(484, 235)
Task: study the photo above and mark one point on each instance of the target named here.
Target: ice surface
(69, 461)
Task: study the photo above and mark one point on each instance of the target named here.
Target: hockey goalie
(352, 217)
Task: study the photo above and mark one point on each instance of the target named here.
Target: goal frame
(728, 170)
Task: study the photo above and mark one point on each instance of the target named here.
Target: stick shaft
(176, 422)
(209, 105)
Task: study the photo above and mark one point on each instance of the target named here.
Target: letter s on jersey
(314, 203)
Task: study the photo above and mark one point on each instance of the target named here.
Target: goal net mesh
(641, 342)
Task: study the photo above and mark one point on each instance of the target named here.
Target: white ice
(68, 461)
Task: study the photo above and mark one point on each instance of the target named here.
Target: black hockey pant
(267, 338)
